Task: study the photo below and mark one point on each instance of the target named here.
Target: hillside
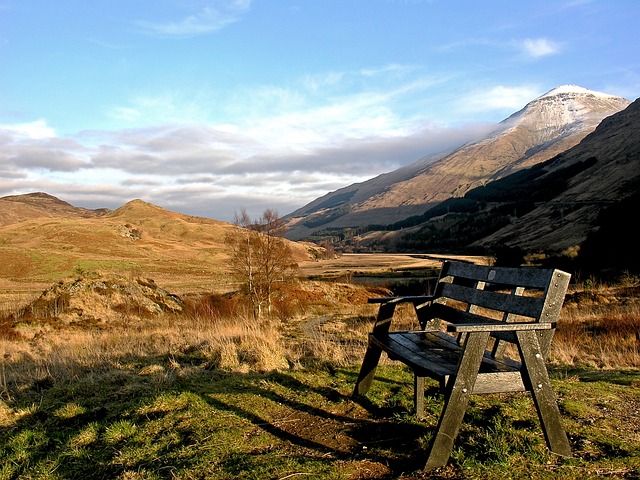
(18, 208)
(54, 240)
(582, 199)
(598, 200)
(545, 127)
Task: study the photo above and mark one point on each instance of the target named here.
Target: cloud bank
(202, 170)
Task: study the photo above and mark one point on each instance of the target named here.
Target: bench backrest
(468, 293)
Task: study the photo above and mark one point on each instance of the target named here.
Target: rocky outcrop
(97, 298)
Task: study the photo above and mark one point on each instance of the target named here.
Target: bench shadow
(378, 436)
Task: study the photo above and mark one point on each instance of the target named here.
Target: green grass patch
(46, 267)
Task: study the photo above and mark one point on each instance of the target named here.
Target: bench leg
(367, 370)
(534, 367)
(372, 355)
(418, 396)
(457, 393)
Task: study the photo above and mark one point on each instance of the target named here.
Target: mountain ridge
(613, 148)
(17, 208)
(568, 114)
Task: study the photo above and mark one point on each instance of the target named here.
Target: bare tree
(260, 258)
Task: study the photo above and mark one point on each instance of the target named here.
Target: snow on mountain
(568, 106)
(608, 179)
(575, 89)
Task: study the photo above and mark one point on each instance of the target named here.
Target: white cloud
(323, 111)
(394, 68)
(125, 114)
(539, 47)
(216, 15)
(312, 111)
(37, 129)
(317, 82)
(498, 97)
(162, 108)
(531, 48)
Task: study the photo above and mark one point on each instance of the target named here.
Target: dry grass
(324, 324)
(47, 354)
(600, 329)
(70, 393)
(212, 332)
(16, 295)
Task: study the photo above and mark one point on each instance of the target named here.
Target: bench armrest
(498, 327)
(422, 330)
(412, 299)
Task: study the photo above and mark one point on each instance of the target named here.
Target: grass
(208, 394)
(600, 329)
(157, 418)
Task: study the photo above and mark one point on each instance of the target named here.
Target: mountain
(607, 178)
(548, 125)
(579, 204)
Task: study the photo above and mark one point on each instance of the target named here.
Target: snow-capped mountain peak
(574, 89)
(566, 107)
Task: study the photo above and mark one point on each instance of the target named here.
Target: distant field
(379, 262)
(207, 276)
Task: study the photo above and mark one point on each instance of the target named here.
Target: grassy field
(208, 394)
(171, 417)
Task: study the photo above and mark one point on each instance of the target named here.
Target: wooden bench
(474, 312)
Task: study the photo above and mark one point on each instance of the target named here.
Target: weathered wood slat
(452, 314)
(405, 299)
(498, 382)
(504, 302)
(496, 326)
(524, 277)
(443, 350)
(408, 350)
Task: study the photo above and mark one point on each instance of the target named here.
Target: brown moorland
(181, 252)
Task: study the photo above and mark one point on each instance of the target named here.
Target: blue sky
(206, 107)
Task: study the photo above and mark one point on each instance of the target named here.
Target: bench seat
(494, 376)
